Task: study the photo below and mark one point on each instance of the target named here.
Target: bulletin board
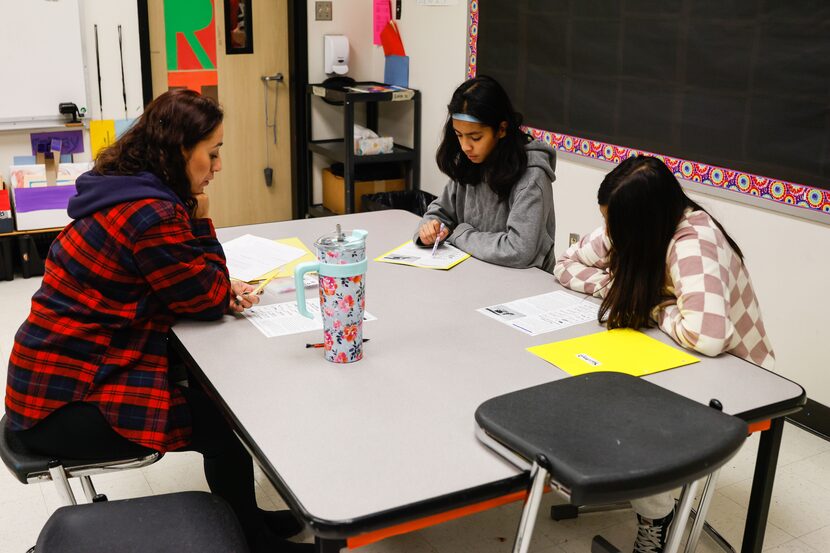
(42, 61)
(733, 95)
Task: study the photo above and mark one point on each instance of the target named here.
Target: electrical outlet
(322, 11)
(573, 238)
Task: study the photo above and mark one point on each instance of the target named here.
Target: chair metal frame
(540, 478)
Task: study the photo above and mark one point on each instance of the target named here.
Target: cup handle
(299, 272)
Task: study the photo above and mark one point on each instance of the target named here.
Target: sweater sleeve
(584, 266)
(184, 265)
(699, 318)
(518, 245)
(441, 209)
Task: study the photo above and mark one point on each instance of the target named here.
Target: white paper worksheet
(249, 257)
(446, 256)
(543, 313)
(280, 319)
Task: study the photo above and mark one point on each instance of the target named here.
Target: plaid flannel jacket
(716, 308)
(114, 283)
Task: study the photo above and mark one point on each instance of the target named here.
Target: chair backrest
(610, 437)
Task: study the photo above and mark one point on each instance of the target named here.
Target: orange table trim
(413, 525)
(759, 426)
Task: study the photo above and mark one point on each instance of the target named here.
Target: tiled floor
(799, 519)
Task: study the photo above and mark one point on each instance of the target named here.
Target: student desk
(370, 449)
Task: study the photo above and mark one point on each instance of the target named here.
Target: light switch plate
(322, 11)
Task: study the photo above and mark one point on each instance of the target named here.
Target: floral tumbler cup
(341, 267)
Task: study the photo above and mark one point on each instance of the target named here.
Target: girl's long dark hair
(644, 203)
(485, 99)
(175, 121)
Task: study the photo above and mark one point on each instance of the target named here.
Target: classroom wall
(108, 14)
(786, 255)
(437, 52)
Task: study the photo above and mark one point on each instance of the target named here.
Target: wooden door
(239, 194)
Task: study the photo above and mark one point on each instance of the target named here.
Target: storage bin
(414, 201)
(33, 250)
(334, 191)
(6, 258)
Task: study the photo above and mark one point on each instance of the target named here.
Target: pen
(321, 344)
(437, 239)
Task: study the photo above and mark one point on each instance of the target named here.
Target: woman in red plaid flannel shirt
(661, 259)
(88, 374)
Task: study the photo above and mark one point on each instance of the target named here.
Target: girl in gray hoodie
(498, 205)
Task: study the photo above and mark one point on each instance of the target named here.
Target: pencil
(264, 283)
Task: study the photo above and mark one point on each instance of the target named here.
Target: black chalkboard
(742, 84)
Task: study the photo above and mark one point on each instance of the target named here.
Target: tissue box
(334, 196)
(373, 146)
(38, 206)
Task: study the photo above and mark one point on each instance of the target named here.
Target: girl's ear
(502, 130)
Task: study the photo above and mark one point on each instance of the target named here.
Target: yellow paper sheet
(408, 253)
(101, 135)
(288, 270)
(620, 350)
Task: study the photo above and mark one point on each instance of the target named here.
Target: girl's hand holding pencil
(431, 231)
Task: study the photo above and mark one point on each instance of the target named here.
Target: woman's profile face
(477, 140)
(203, 160)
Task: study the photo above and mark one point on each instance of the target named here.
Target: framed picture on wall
(239, 27)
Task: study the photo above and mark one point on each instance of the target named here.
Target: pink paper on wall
(382, 13)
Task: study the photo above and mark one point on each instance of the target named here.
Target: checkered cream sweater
(716, 309)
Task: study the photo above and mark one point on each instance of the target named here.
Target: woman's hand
(202, 206)
(429, 232)
(242, 297)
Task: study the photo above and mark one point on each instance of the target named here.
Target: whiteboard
(42, 61)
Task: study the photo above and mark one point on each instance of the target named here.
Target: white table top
(397, 428)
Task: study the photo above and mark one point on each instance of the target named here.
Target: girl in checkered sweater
(662, 259)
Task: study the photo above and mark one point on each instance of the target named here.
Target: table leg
(328, 546)
(762, 481)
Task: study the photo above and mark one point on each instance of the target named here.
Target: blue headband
(466, 117)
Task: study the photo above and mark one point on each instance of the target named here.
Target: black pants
(80, 431)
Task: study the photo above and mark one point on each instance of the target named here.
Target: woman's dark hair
(175, 121)
(485, 99)
(644, 203)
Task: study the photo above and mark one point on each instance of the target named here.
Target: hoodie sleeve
(184, 265)
(584, 266)
(518, 245)
(442, 209)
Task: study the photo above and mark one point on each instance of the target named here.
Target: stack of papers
(446, 256)
(249, 257)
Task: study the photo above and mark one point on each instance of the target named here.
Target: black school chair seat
(30, 467)
(607, 437)
(181, 522)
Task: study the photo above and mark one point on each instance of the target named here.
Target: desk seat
(606, 437)
(31, 467)
(184, 522)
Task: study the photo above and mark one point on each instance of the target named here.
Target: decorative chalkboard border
(782, 192)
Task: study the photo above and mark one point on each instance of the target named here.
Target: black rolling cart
(341, 149)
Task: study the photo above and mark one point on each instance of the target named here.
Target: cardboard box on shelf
(334, 192)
